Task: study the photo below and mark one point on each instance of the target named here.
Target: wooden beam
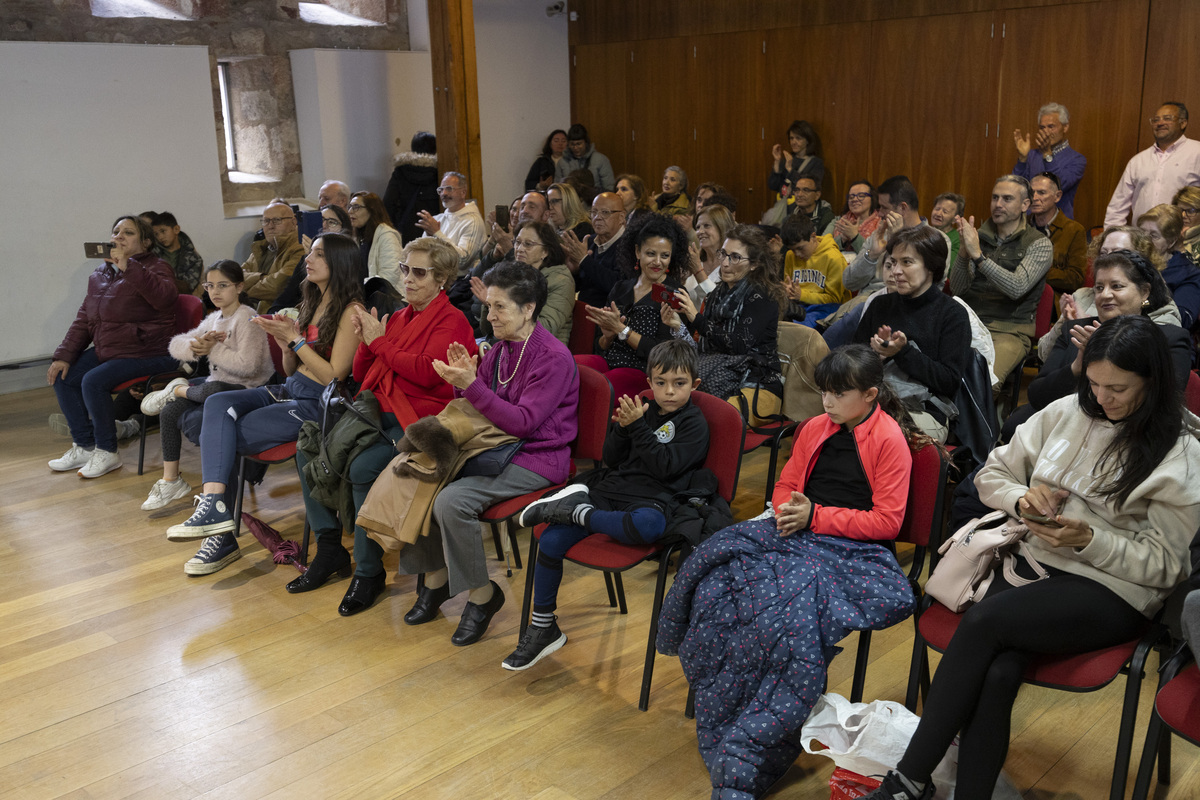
(456, 90)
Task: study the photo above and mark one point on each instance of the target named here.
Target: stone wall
(254, 36)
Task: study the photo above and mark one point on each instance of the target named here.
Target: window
(250, 120)
(158, 9)
(226, 115)
(344, 12)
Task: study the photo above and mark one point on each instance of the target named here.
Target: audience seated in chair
(273, 258)
(812, 271)
(1068, 269)
(460, 224)
(859, 218)
(581, 154)
(175, 247)
(1164, 225)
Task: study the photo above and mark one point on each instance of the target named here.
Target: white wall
(351, 106)
(521, 57)
(85, 141)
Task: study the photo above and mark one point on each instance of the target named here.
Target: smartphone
(97, 249)
(1041, 519)
(502, 217)
(663, 294)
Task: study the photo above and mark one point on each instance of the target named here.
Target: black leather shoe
(428, 603)
(362, 594)
(328, 561)
(476, 618)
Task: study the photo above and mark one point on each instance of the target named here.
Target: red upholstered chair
(627, 381)
(604, 553)
(922, 528)
(770, 434)
(595, 409)
(1176, 710)
(594, 361)
(189, 312)
(1083, 672)
(1192, 393)
(582, 341)
(274, 455)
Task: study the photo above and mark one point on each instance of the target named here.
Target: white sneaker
(153, 403)
(102, 462)
(164, 492)
(71, 460)
(128, 429)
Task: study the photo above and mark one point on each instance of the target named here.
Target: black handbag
(491, 463)
(335, 404)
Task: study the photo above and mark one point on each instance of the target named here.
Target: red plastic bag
(847, 785)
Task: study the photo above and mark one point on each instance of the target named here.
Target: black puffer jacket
(412, 188)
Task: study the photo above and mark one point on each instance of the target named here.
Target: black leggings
(168, 422)
(980, 672)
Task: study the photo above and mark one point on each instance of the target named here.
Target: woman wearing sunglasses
(395, 361)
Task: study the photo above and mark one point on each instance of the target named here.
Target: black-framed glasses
(734, 259)
(269, 221)
(1188, 210)
(417, 272)
(356, 207)
(858, 195)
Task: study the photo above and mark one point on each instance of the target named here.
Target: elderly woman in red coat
(121, 331)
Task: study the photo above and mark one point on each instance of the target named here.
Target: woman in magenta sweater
(528, 386)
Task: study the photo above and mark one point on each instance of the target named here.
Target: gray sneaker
(58, 424)
(128, 429)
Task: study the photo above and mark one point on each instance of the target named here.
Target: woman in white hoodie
(1113, 472)
(238, 358)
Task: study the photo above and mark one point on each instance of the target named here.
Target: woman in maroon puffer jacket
(121, 331)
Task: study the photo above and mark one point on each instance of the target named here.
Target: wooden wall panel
(1098, 77)
(811, 75)
(933, 119)
(662, 113)
(725, 84)
(599, 92)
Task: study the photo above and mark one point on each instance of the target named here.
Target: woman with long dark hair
(1112, 469)
(541, 174)
(380, 243)
(317, 348)
(800, 159)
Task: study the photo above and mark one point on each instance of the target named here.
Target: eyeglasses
(1164, 118)
(734, 259)
(447, 189)
(556, 201)
(604, 213)
(269, 221)
(356, 207)
(1189, 211)
(222, 286)
(527, 243)
(858, 195)
(807, 190)
(330, 222)
(417, 272)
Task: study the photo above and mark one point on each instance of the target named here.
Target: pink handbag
(969, 558)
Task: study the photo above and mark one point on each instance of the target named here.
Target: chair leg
(608, 586)
(512, 540)
(237, 503)
(1133, 689)
(496, 541)
(660, 589)
(142, 443)
(860, 666)
(1155, 734)
(771, 472)
(689, 710)
(527, 602)
(1164, 759)
(620, 586)
(918, 668)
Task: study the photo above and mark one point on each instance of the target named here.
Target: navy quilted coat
(755, 619)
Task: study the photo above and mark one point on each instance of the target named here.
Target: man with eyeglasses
(899, 208)
(1069, 265)
(1153, 176)
(594, 259)
(273, 258)
(1049, 151)
(460, 225)
(807, 194)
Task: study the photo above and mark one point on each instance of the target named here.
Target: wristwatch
(623, 335)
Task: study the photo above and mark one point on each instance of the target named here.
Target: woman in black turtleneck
(926, 334)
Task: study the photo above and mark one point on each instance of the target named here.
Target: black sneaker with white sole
(895, 787)
(536, 644)
(556, 508)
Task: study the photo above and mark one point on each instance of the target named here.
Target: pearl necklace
(520, 355)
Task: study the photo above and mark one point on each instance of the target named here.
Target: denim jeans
(85, 394)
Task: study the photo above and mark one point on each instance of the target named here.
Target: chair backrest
(595, 410)
(1192, 393)
(726, 436)
(626, 381)
(1045, 310)
(926, 493)
(189, 312)
(582, 340)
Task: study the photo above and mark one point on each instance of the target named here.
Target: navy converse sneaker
(211, 517)
(216, 553)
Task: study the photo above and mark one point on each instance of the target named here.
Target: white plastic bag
(870, 738)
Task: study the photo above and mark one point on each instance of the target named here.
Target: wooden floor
(121, 677)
